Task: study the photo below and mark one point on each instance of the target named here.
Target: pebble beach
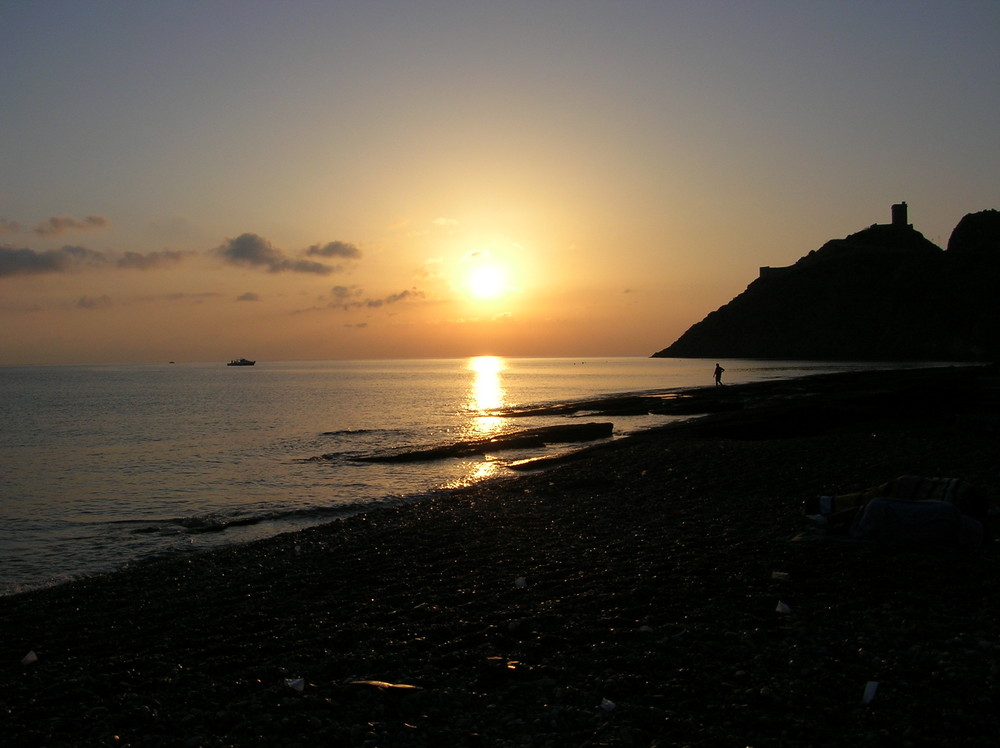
(659, 590)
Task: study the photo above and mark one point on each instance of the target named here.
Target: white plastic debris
(29, 658)
(779, 575)
(297, 683)
(870, 688)
(608, 705)
(521, 582)
(782, 608)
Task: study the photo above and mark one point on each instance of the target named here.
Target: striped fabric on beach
(839, 511)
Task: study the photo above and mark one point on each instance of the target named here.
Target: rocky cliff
(884, 293)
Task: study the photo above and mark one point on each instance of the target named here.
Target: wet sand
(624, 597)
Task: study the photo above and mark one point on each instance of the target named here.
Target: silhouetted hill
(884, 293)
(977, 233)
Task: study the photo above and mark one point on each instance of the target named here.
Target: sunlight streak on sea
(105, 465)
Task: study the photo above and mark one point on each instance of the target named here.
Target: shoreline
(624, 596)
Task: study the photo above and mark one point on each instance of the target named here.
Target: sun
(487, 282)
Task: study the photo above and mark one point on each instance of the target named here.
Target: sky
(295, 180)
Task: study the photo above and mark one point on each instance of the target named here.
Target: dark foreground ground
(625, 598)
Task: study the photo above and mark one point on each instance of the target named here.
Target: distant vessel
(241, 362)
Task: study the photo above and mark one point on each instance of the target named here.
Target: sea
(106, 466)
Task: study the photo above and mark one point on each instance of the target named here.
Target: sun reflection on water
(477, 471)
(486, 395)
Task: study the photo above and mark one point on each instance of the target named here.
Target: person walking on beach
(718, 375)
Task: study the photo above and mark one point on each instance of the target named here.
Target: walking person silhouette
(718, 375)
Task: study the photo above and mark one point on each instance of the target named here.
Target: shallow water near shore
(107, 465)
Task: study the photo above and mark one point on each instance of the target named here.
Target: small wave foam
(215, 523)
(347, 455)
(352, 432)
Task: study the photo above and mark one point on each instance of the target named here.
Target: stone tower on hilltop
(899, 216)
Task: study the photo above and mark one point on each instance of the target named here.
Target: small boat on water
(241, 362)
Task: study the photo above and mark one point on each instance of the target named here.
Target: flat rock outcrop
(523, 439)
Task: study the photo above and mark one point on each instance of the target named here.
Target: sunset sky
(198, 181)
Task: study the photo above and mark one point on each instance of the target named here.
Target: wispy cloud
(93, 302)
(151, 261)
(248, 296)
(197, 298)
(70, 258)
(394, 298)
(252, 250)
(430, 269)
(335, 249)
(344, 293)
(246, 250)
(350, 297)
(61, 224)
(24, 261)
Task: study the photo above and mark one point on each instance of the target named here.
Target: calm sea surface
(105, 465)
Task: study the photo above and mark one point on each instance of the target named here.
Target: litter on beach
(298, 684)
(782, 608)
(29, 658)
(385, 686)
